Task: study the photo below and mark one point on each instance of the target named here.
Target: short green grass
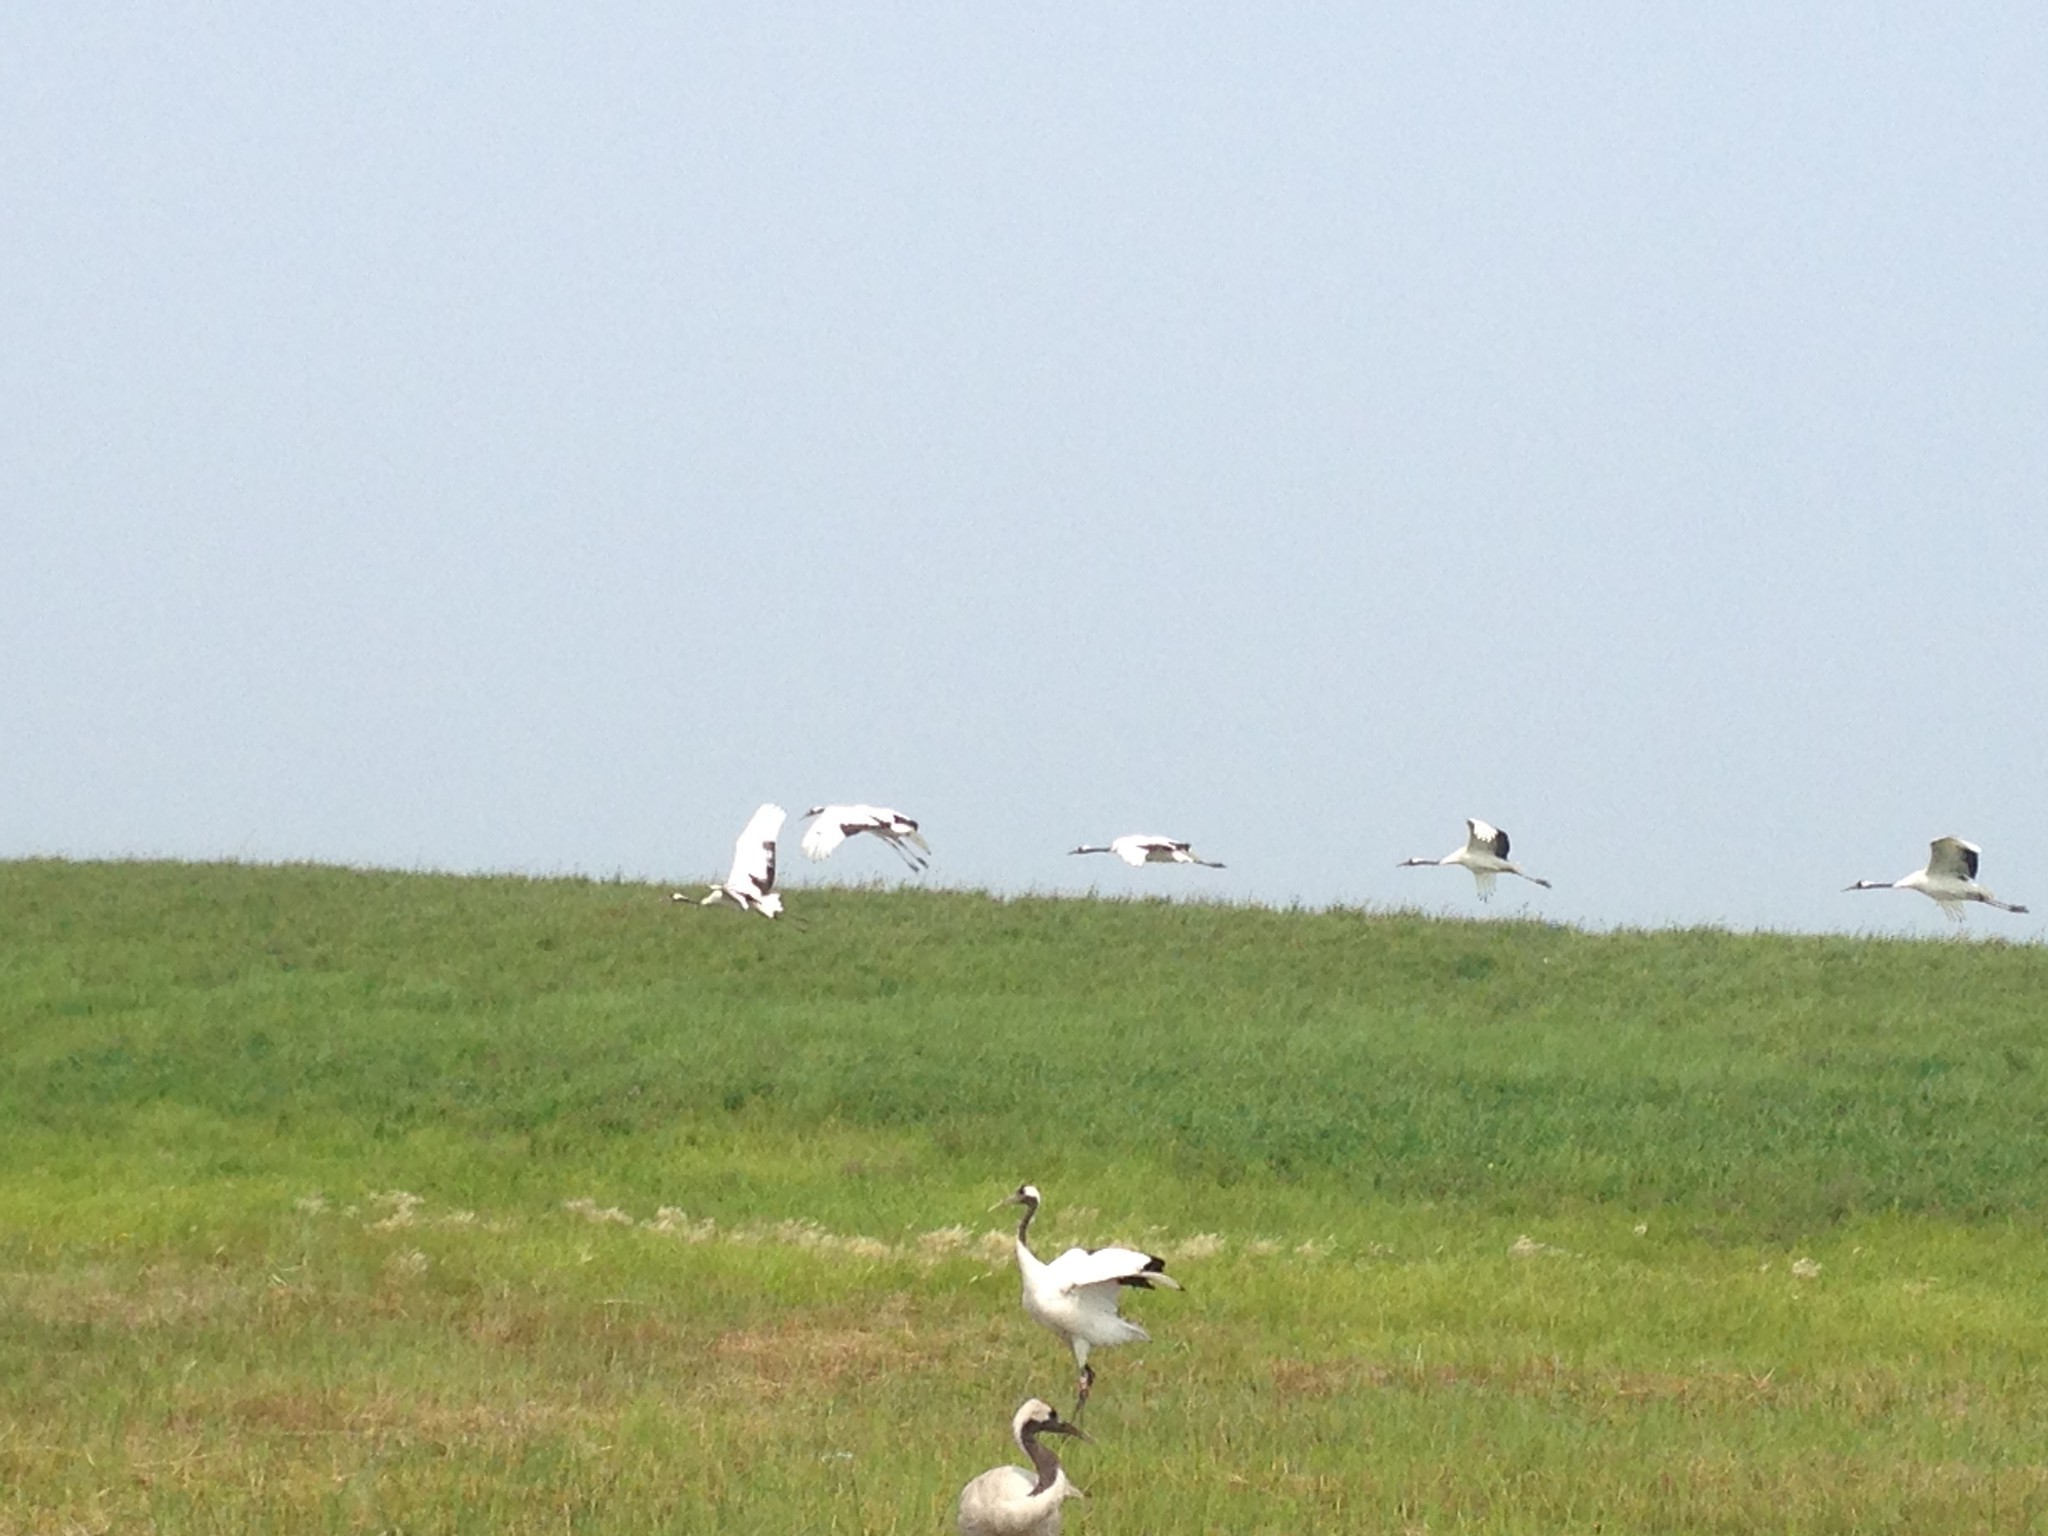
(336, 1200)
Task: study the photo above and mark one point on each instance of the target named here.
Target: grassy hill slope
(356, 1199)
(1765, 1084)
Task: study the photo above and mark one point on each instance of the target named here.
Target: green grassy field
(347, 1201)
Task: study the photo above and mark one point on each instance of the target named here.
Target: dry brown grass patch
(157, 1296)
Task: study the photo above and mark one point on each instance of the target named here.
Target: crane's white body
(1009, 1501)
(1950, 878)
(1486, 854)
(1075, 1296)
(836, 823)
(751, 885)
(1136, 848)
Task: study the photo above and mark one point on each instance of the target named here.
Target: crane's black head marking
(1050, 1423)
(1025, 1195)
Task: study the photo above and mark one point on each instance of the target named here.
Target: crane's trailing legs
(1486, 854)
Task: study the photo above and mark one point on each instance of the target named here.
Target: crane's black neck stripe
(1043, 1459)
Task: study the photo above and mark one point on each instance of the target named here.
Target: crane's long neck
(1024, 1226)
(1043, 1459)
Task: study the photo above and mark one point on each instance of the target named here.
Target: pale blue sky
(526, 439)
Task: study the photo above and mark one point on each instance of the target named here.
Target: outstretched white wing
(1079, 1267)
(826, 833)
(1950, 858)
(836, 823)
(1136, 848)
(753, 855)
(1485, 838)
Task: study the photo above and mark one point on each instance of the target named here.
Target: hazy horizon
(526, 441)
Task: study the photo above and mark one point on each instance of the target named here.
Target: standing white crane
(751, 885)
(1950, 878)
(836, 823)
(1486, 854)
(1076, 1295)
(1008, 1501)
(1136, 848)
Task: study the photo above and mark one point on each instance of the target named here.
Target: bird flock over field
(1949, 877)
(1076, 1296)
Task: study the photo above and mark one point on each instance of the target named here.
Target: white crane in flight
(751, 885)
(1136, 848)
(1950, 878)
(836, 823)
(1486, 854)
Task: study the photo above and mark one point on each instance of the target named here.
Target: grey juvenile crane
(1008, 1501)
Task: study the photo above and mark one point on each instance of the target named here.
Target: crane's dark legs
(1081, 1393)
